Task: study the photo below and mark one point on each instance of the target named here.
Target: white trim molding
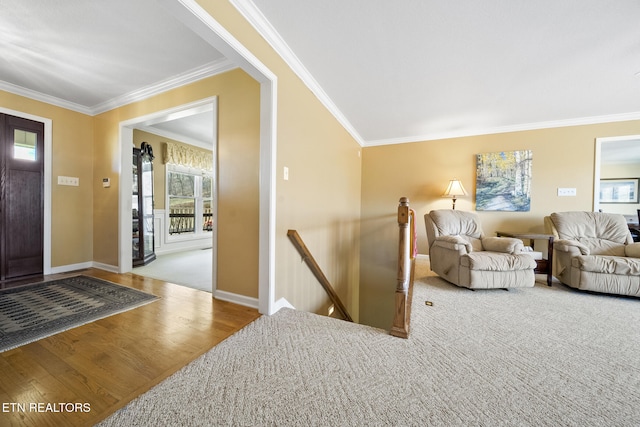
(255, 17)
(598, 159)
(282, 303)
(236, 298)
(73, 267)
(506, 129)
(83, 266)
(207, 70)
(190, 13)
(105, 267)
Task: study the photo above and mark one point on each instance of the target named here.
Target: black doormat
(32, 312)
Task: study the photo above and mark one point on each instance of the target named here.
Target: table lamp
(454, 190)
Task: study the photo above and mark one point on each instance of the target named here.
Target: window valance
(189, 156)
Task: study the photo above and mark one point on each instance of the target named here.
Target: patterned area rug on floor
(32, 312)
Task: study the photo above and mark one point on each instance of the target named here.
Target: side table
(544, 266)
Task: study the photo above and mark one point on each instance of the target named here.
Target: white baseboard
(281, 303)
(221, 295)
(106, 267)
(235, 298)
(82, 266)
(71, 267)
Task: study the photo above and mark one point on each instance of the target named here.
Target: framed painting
(623, 190)
(503, 181)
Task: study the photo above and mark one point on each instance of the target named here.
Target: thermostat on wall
(106, 182)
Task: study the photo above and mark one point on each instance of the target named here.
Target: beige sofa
(460, 253)
(594, 251)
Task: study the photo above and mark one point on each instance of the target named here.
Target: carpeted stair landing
(527, 357)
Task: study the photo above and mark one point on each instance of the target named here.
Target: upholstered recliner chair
(594, 251)
(461, 254)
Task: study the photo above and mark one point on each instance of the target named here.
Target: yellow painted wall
(72, 151)
(321, 200)
(562, 157)
(238, 145)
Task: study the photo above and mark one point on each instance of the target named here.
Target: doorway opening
(177, 251)
(617, 162)
(201, 22)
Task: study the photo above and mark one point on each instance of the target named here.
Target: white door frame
(191, 14)
(125, 261)
(598, 158)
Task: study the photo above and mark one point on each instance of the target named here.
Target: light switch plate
(565, 192)
(69, 180)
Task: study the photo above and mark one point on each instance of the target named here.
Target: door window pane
(24, 144)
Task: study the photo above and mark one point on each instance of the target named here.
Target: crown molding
(48, 99)
(177, 137)
(506, 129)
(211, 69)
(208, 70)
(255, 17)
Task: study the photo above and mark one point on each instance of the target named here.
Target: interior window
(190, 202)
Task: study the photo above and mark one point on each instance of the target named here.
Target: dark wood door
(21, 197)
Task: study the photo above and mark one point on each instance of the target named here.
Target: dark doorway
(21, 197)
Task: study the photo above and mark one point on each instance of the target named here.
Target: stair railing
(406, 267)
(317, 272)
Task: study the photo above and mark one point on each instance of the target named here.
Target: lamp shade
(454, 189)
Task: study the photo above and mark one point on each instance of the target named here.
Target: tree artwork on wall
(503, 181)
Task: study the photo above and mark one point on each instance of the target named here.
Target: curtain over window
(188, 156)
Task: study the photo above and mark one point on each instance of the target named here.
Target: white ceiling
(424, 69)
(391, 71)
(93, 56)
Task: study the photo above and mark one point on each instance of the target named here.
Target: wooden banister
(406, 266)
(317, 272)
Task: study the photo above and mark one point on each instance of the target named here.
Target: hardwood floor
(103, 365)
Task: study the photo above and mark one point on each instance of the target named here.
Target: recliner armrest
(454, 243)
(507, 245)
(572, 246)
(632, 250)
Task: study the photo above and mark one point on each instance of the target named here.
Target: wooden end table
(543, 266)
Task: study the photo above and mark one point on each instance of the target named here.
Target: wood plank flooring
(103, 365)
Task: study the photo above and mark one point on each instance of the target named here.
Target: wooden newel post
(404, 245)
(400, 326)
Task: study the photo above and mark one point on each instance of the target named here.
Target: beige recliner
(594, 251)
(461, 254)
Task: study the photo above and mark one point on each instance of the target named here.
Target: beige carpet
(527, 357)
(192, 268)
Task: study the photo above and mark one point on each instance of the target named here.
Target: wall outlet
(564, 192)
(69, 180)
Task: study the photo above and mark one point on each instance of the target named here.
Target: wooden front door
(21, 197)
